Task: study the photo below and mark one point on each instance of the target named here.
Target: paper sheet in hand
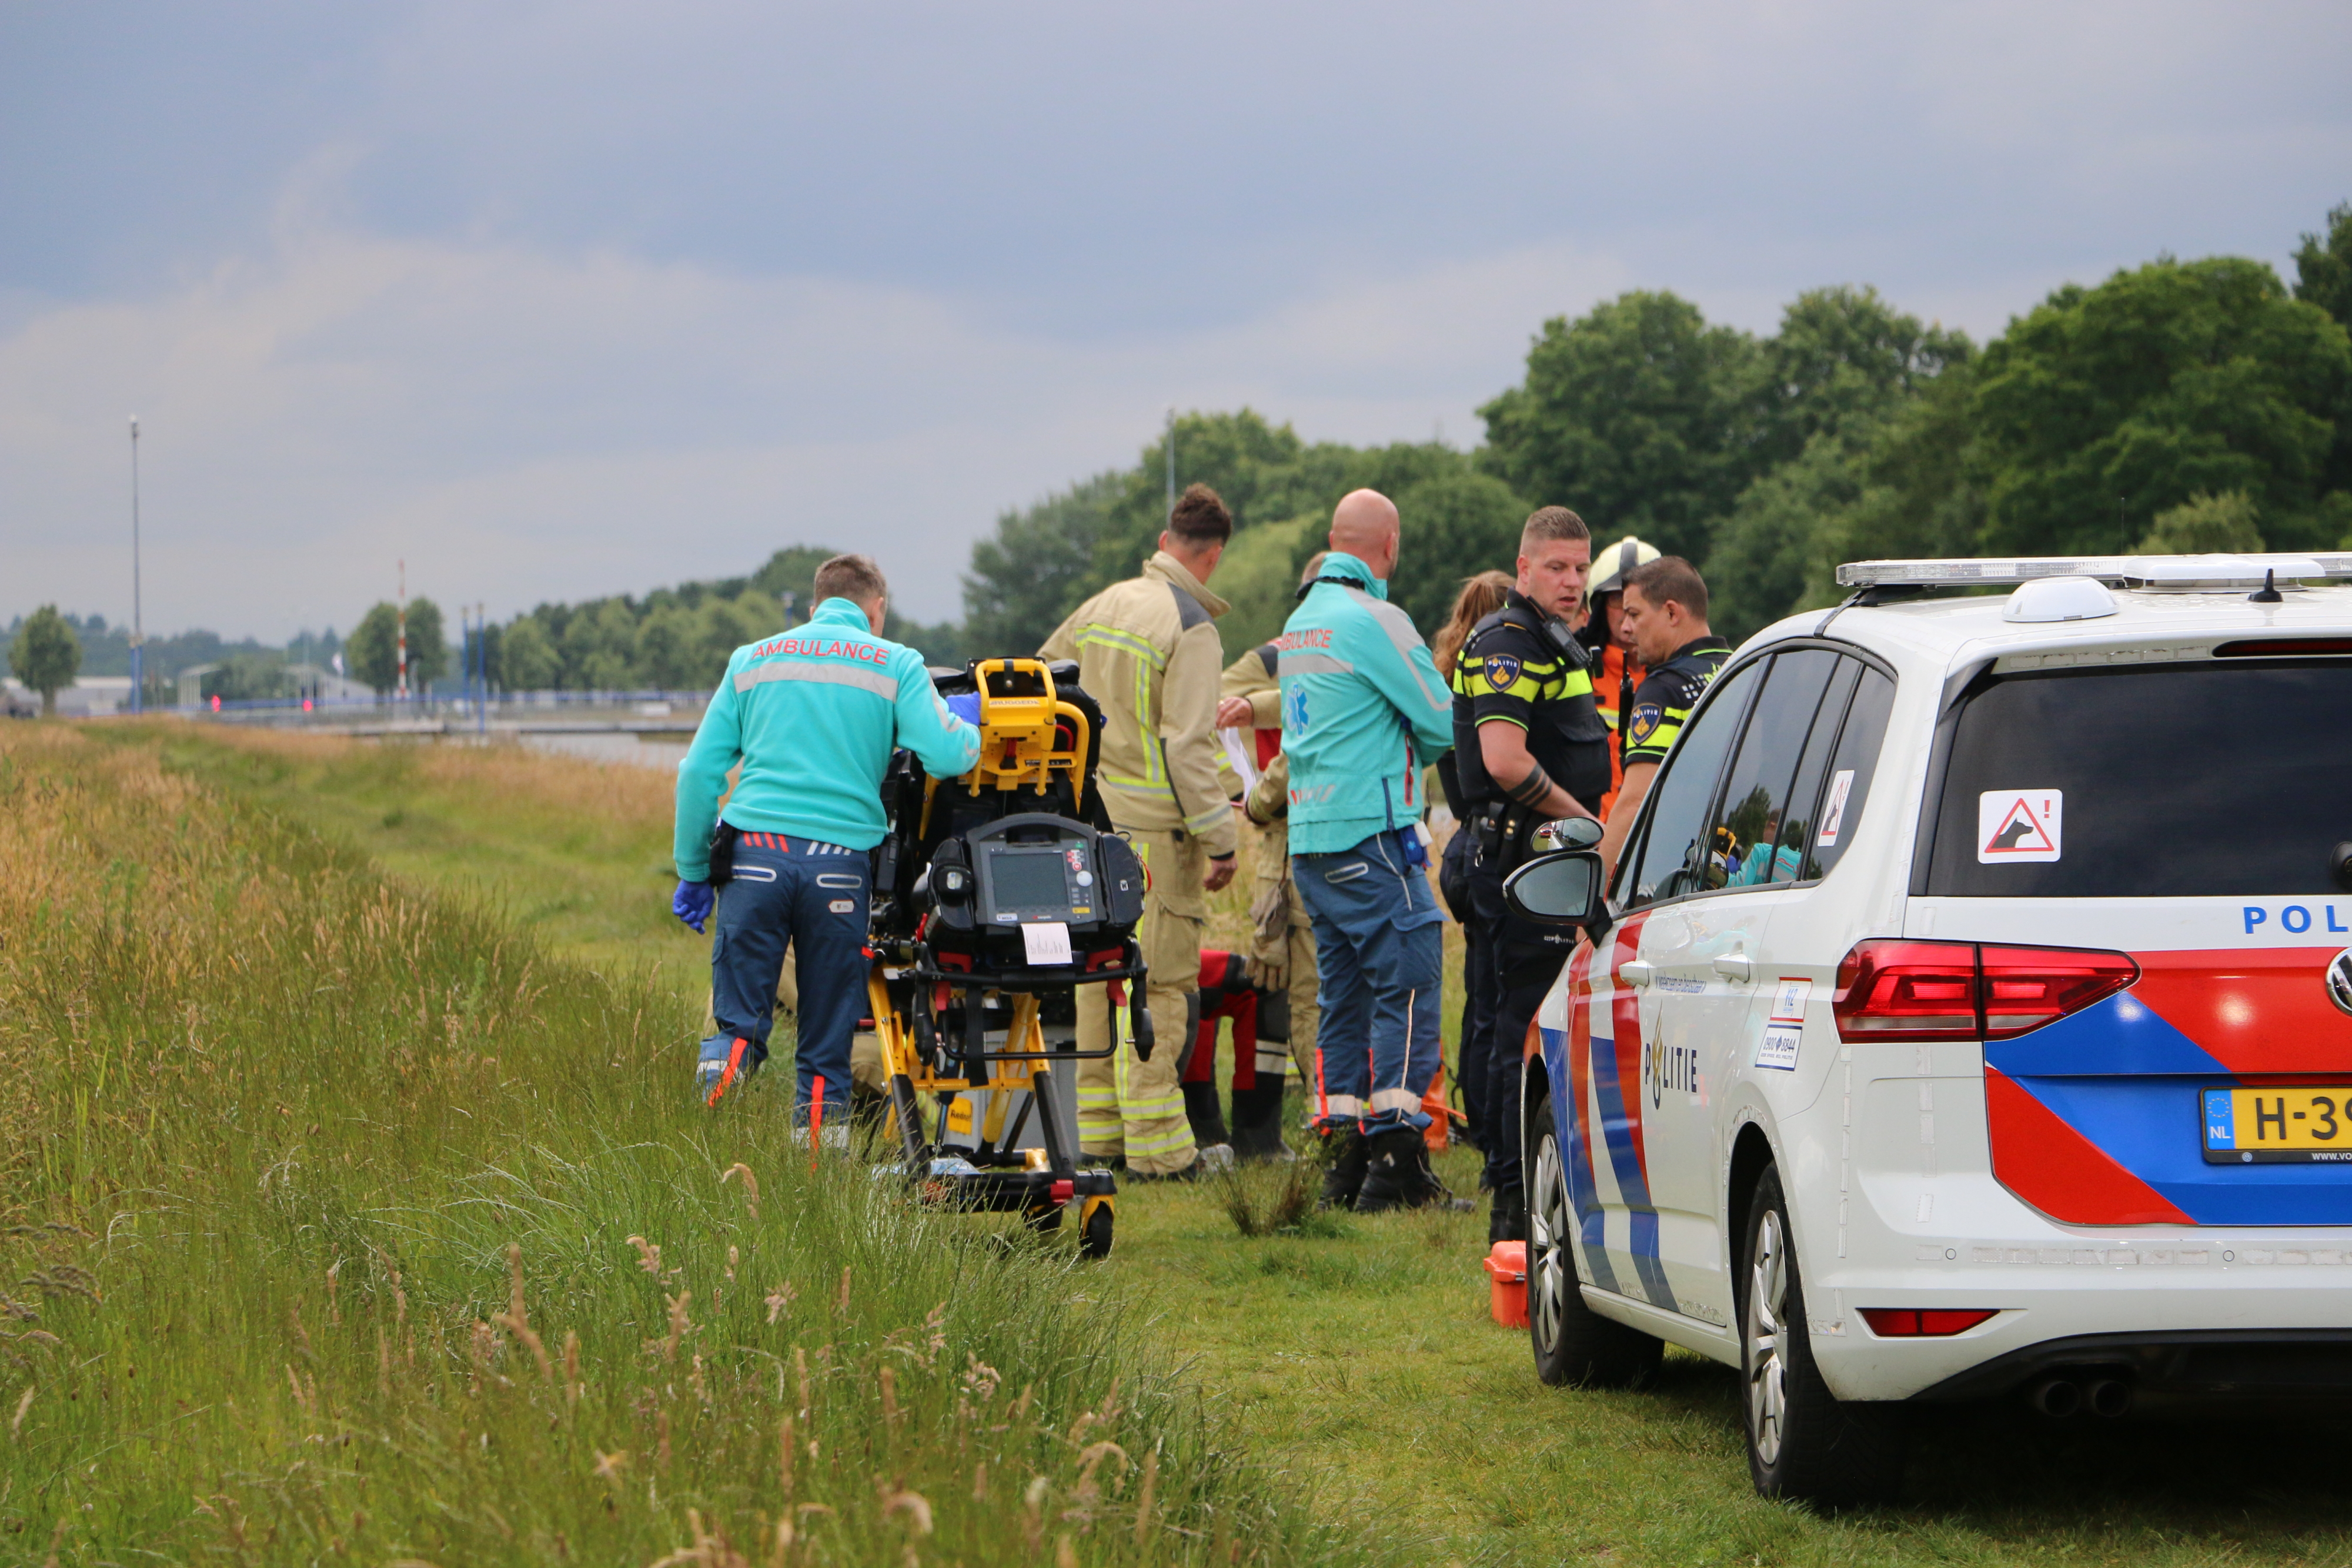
(1241, 749)
(1046, 942)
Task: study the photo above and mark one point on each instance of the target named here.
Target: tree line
(2177, 406)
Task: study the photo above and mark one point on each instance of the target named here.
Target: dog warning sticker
(2018, 825)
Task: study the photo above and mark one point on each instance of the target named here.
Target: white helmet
(1611, 562)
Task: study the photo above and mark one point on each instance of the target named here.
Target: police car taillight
(1888, 988)
(1894, 989)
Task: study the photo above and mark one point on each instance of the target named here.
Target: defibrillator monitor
(1021, 882)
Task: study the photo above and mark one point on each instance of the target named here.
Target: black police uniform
(1668, 693)
(1518, 667)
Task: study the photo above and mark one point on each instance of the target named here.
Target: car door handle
(1735, 966)
(1634, 972)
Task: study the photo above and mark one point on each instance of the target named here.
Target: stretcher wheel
(1043, 1221)
(1095, 1234)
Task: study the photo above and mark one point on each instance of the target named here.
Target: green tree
(1455, 525)
(600, 647)
(1895, 488)
(2204, 524)
(1844, 358)
(2323, 266)
(2164, 381)
(666, 649)
(1037, 565)
(528, 662)
(2322, 271)
(373, 652)
(428, 646)
(46, 655)
(369, 652)
(790, 579)
(1640, 415)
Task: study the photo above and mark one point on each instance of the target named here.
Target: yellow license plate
(2255, 1126)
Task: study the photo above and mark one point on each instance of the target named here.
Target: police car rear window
(2204, 780)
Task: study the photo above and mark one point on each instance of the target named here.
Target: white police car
(1973, 1013)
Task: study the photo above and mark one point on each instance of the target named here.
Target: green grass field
(309, 1034)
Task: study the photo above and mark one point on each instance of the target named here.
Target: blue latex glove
(691, 903)
(965, 707)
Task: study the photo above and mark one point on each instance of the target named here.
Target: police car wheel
(1574, 1345)
(1804, 1442)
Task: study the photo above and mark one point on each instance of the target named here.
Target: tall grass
(348, 1225)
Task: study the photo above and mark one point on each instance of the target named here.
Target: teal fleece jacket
(813, 714)
(1363, 708)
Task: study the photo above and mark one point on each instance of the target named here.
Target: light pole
(1171, 463)
(138, 624)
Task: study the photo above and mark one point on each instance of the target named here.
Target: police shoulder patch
(1502, 669)
(1645, 722)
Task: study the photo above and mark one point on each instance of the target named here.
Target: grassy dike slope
(349, 1224)
(1355, 1363)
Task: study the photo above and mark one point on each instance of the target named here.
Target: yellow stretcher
(1009, 889)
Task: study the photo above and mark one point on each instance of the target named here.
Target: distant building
(91, 696)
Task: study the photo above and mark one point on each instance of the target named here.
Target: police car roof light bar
(2182, 572)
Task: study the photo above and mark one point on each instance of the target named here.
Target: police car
(1971, 1014)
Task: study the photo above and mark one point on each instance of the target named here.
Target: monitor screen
(1026, 880)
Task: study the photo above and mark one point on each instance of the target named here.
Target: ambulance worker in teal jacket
(1363, 711)
(813, 714)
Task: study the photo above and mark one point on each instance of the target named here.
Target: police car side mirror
(1559, 890)
(1571, 833)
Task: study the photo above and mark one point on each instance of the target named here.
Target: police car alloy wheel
(1573, 1345)
(1804, 1442)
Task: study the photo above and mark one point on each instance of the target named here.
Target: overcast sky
(556, 300)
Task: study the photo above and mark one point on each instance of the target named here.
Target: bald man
(1363, 709)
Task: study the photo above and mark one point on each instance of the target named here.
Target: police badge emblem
(1645, 721)
(1502, 669)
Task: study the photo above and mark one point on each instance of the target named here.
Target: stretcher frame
(908, 985)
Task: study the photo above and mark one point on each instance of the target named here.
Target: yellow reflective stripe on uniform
(1149, 660)
(1200, 821)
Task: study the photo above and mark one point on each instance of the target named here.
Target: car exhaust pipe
(2109, 1397)
(2057, 1397)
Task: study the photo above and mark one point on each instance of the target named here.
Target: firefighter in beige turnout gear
(1146, 650)
(1282, 951)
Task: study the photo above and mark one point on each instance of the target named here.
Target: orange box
(1506, 1283)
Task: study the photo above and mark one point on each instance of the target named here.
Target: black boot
(1257, 1122)
(1344, 1176)
(1507, 1219)
(1397, 1175)
(1208, 1118)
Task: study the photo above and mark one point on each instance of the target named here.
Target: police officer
(812, 714)
(1529, 746)
(1363, 711)
(1666, 622)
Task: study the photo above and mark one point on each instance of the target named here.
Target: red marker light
(1924, 1323)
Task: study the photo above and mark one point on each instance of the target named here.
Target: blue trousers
(1380, 954)
(812, 895)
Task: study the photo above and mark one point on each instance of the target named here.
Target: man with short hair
(1146, 650)
(1363, 710)
(813, 715)
(1666, 620)
(1529, 746)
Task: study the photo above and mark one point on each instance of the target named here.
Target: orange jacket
(1615, 678)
